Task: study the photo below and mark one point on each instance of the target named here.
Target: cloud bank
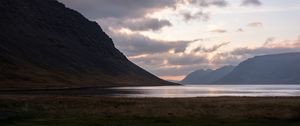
(251, 2)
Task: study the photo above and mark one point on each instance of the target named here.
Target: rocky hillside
(43, 44)
(268, 69)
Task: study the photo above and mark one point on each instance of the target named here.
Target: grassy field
(104, 111)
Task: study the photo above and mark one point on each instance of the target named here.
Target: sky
(172, 38)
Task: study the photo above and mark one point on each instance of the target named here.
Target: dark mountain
(206, 76)
(267, 69)
(43, 44)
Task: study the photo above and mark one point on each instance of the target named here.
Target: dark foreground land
(106, 111)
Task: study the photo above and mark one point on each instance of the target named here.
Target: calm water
(209, 91)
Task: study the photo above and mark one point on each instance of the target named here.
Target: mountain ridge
(281, 68)
(43, 44)
(266, 69)
(207, 76)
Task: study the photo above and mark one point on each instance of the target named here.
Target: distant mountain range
(208, 76)
(267, 69)
(43, 44)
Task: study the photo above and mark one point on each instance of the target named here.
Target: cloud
(164, 58)
(255, 24)
(269, 40)
(147, 24)
(166, 64)
(179, 71)
(240, 30)
(226, 58)
(187, 59)
(240, 54)
(95, 9)
(218, 30)
(211, 49)
(177, 64)
(200, 14)
(208, 3)
(284, 44)
(169, 60)
(272, 47)
(251, 2)
(262, 51)
(134, 14)
(135, 9)
(138, 44)
(141, 24)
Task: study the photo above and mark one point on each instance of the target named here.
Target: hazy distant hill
(267, 69)
(43, 44)
(206, 76)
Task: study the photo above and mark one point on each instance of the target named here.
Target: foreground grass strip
(91, 111)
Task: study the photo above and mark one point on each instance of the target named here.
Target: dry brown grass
(219, 107)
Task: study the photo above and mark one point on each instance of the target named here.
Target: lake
(207, 91)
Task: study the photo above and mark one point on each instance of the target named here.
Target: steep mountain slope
(268, 69)
(43, 44)
(206, 76)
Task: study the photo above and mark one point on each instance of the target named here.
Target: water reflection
(209, 91)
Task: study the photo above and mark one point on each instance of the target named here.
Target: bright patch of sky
(279, 18)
